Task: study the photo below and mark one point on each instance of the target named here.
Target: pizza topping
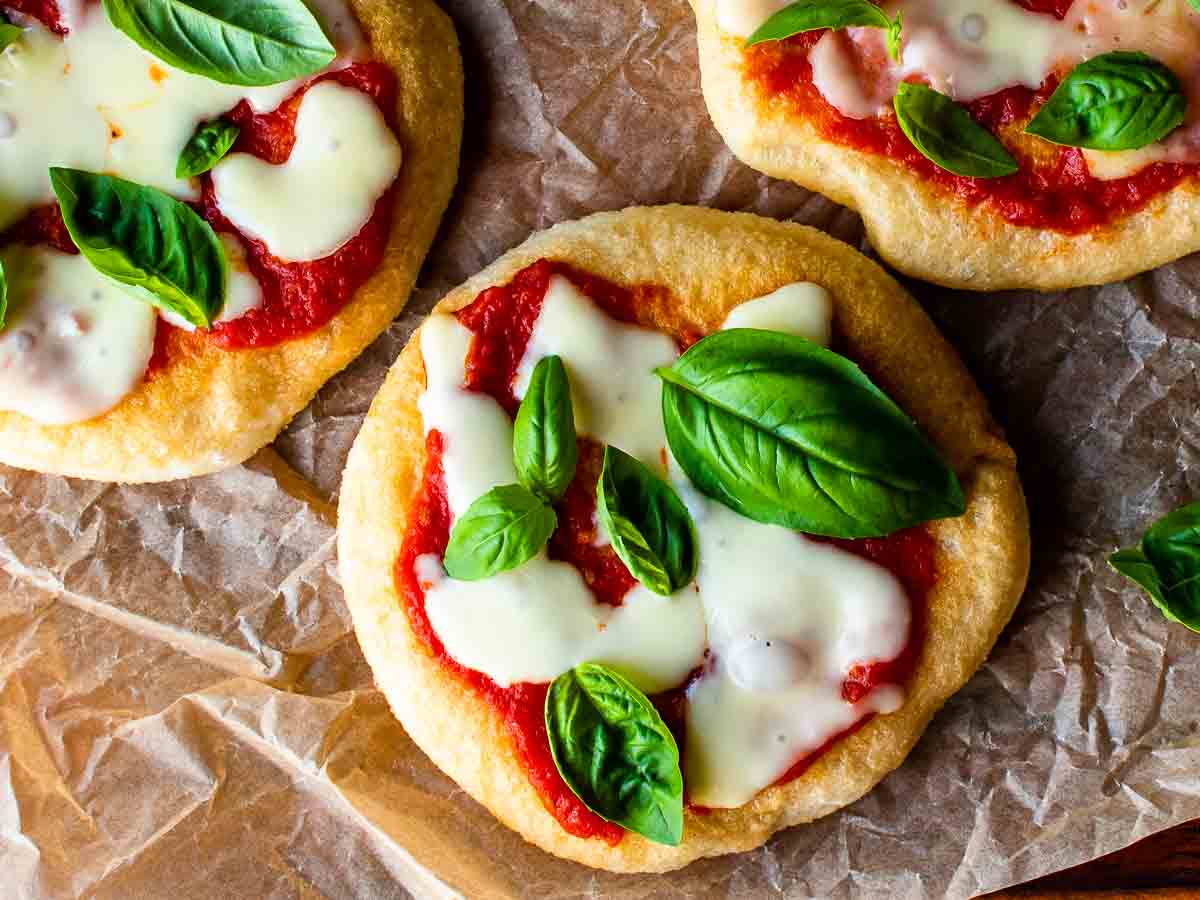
(802, 309)
(74, 346)
(503, 529)
(766, 621)
(945, 133)
(230, 41)
(615, 752)
(208, 146)
(1166, 563)
(243, 292)
(815, 15)
(544, 447)
(344, 159)
(9, 33)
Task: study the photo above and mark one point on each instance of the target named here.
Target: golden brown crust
(215, 408)
(915, 224)
(710, 261)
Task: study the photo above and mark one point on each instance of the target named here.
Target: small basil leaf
(614, 751)
(144, 239)
(1116, 101)
(9, 33)
(1195, 4)
(3, 297)
(894, 33)
(503, 529)
(544, 448)
(946, 134)
(1167, 565)
(231, 41)
(650, 528)
(812, 15)
(208, 146)
(786, 432)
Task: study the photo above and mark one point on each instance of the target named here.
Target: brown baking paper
(184, 712)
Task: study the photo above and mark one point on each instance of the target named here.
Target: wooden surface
(1163, 867)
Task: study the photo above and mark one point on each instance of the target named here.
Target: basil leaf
(813, 15)
(245, 42)
(503, 529)
(1167, 565)
(207, 147)
(946, 134)
(1116, 101)
(544, 449)
(788, 433)
(650, 528)
(9, 33)
(614, 751)
(146, 240)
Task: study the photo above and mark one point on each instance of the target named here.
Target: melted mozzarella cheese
(803, 309)
(742, 17)
(539, 620)
(614, 390)
(785, 617)
(74, 345)
(344, 160)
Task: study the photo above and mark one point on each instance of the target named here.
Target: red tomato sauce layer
(1055, 192)
(502, 319)
(45, 11)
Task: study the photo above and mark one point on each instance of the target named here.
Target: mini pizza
(988, 144)
(207, 210)
(645, 550)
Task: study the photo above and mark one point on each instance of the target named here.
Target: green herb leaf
(503, 529)
(650, 528)
(9, 33)
(1116, 101)
(146, 240)
(208, 146)
(1167, 565)
(894, 33)
(786, 432)
(614, 751)
(3, 297)
(245, 42)
(813, 15)
(946, 134)
(544, 448)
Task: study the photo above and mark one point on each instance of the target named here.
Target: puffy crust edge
(214, 408)
(916, 225)
(710, 261)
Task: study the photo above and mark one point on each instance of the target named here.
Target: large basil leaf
(544, 448)
(141, 237)
(246, 42)
(813, 15)
(650, 528)
(207, 147)
(503, 529)
(1167, 565)
(614, 751)
(9, 33)
(786, 432)
(1116, 101)
(946, 134)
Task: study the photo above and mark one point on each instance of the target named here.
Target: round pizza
(673, 528)
(206, 211)
(988, 144)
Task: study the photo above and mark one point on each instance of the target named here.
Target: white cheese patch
(99, 102)
(743, 17)
(243, 293)
(74, 345)
(614, 391)
(537, 621)
(785, 617)
(344, 160)
(802, 308)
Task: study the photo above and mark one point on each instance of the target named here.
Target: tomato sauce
(502, 319)
(45, 11)
(1056, 192)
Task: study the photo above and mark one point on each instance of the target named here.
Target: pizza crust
(213, 408)
(917, 225)
(710, 261)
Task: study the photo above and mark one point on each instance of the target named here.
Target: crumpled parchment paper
(184, 712)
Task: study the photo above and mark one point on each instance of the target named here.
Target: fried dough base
(710, 262)
(918, 226)
(213, 408)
